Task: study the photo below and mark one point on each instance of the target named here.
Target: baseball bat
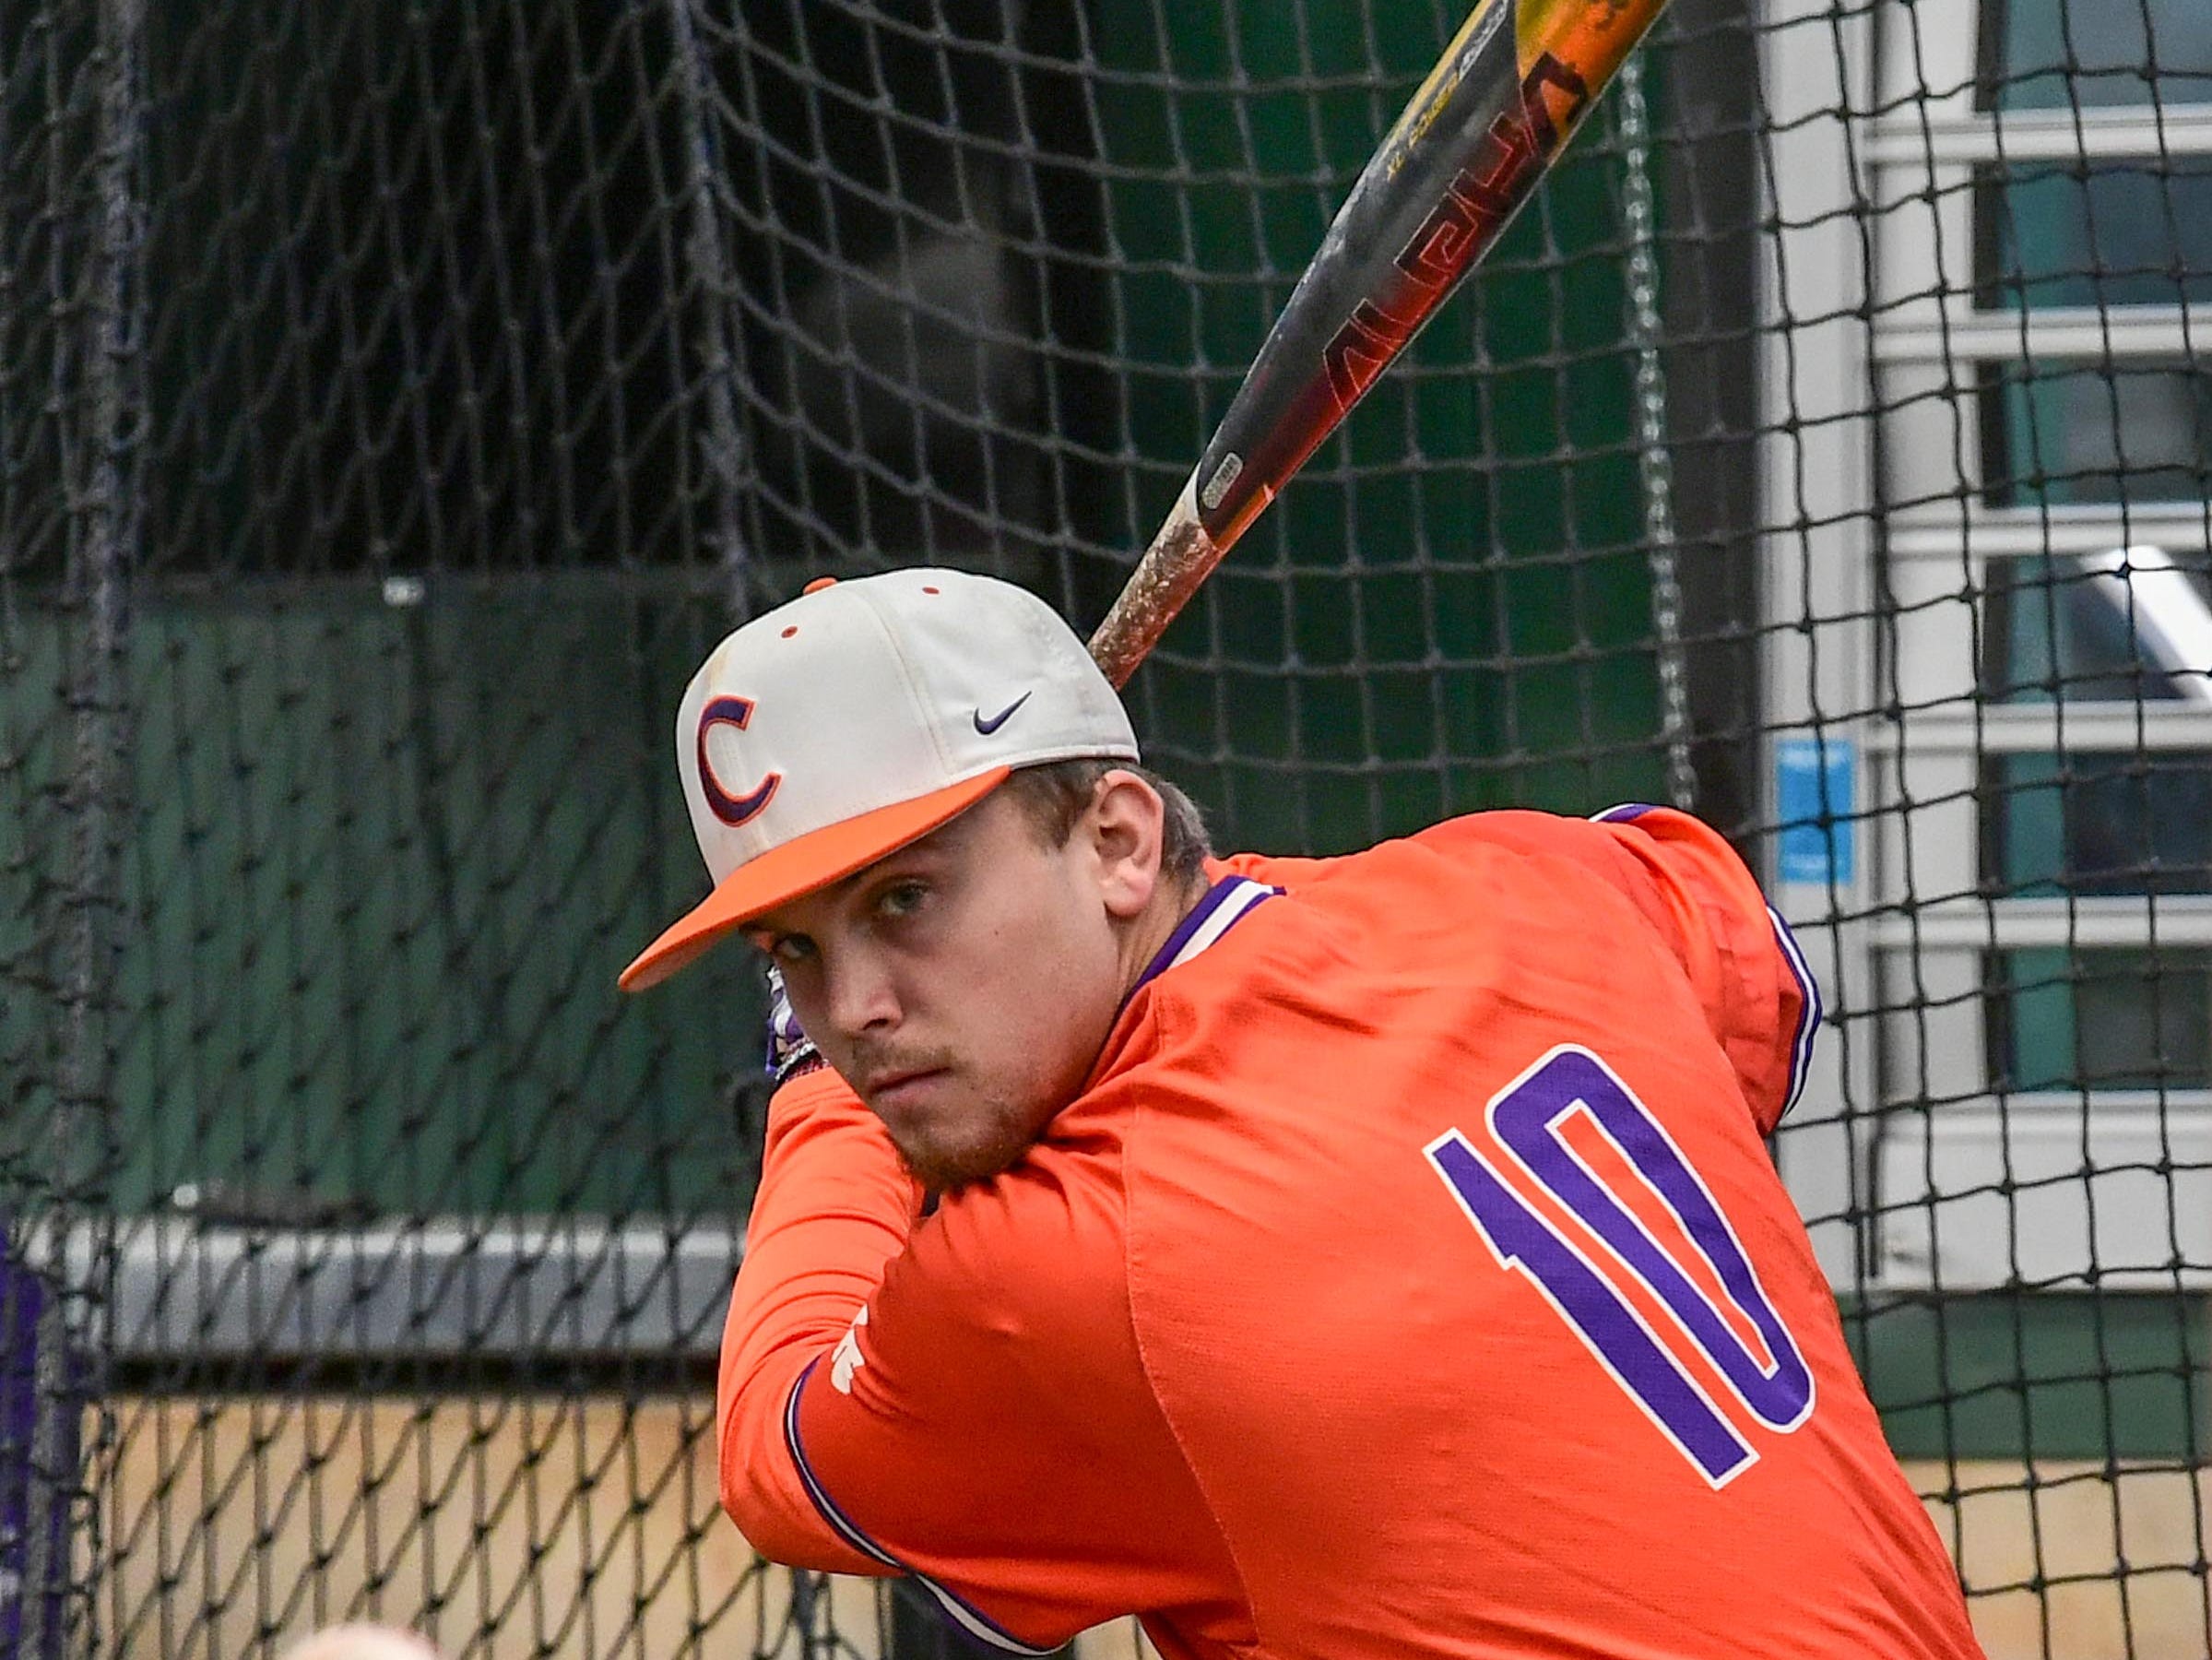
(1464, 156)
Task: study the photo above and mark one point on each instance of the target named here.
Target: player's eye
(902, 898)
(790, 949)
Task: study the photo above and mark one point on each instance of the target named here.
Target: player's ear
(1125, 826)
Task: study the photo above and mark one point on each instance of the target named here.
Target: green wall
(381, 867)
(2039, 1374)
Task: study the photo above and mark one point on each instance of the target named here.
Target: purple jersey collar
(1223, 905)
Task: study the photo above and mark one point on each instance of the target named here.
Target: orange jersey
(1410, 1278)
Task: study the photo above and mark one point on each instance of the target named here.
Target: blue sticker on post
(1814, 780)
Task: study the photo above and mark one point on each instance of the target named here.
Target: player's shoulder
(1479, 874)
(1530, 833)
(1613, 844)
(1495, 848)
(1053, 1226)
(1010, 1296)
(1037, 1243)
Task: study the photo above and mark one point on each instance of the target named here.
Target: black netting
(395, 402)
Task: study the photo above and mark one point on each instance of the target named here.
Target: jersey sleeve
(834, 1206)
(958, 1396)
(1758, 995)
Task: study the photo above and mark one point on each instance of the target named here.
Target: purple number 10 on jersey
(1777, 1389)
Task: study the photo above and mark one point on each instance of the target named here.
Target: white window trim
(1955, 333)
(2040, 135)
(1816, 597)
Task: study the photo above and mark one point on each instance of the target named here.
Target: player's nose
(861, 996)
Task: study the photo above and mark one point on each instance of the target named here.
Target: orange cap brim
(798, 867)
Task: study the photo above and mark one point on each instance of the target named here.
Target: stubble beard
(987, 1141)
(966, 1142)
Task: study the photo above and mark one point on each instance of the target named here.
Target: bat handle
(1179, 559)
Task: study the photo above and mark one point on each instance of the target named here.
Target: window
(1997, 289)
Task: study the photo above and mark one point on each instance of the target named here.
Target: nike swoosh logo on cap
(987, 727)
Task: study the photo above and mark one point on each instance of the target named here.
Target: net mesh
(395, 402)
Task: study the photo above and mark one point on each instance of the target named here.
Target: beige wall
(505, 1527)
(2110, 1547)
(535, 1526)
(502, 1526)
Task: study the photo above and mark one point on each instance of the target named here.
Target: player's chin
(947, 1156)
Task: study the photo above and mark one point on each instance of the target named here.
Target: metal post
(74, 1248)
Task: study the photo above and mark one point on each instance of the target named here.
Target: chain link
(1655, 468)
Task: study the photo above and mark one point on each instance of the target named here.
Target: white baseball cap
(860, 717)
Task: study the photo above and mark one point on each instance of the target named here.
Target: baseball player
(1330, 1258)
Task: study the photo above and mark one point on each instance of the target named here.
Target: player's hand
(790, 1050)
